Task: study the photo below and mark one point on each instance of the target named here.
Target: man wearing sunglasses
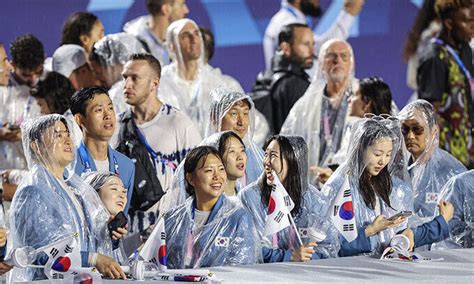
(430, 168)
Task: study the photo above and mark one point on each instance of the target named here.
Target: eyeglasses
(417, 130)
(333, 55)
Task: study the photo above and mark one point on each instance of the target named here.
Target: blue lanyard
(156, 157)
(87, 164)
(455, 56)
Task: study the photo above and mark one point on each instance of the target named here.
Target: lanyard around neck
(87, 164)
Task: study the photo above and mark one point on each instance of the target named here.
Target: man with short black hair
(27, 60)
(151, 29)
(288, 77)
(94, 113)
(156, 136)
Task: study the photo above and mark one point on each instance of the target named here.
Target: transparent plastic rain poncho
(459, 190)
(350, 171)
(433, 168)
(313, 208)
(46, 209)
(190, 96)
(229, 236)
(97, 180)
(306, 117)
(178, 189)
(114, 51)
(222, 100)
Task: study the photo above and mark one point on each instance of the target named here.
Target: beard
(310, 9)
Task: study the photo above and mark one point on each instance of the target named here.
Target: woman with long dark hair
(369, 189)
(373, 96)
(286, 158)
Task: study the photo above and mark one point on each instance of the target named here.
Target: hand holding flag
(154, 249)
(279, 209)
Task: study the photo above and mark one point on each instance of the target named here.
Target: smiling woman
(287, 158)
(215, 231)
(52, 202)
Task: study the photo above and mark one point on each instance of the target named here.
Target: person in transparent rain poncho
(287, 156)
(209, 229)
(460, 191)
(430, 167)
(108, 58)
(231, 149)
(320, 115)
(52, 202)
(185, 84)
(373, 96)
(375, 181)
(113, 195)
(235, 111)
(232, 85)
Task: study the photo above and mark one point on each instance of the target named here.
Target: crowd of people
(140, 124)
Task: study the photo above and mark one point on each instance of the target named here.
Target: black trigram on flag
(348, 227)
(68, 249)
(163, 235)
(287, 201)
(347, 193)
(58, 276)
(336, 209)
(154, 260)
(54, 252)
(279, 216)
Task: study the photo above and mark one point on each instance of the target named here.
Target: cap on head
(68, 58)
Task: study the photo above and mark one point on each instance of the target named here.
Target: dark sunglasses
(417, 130)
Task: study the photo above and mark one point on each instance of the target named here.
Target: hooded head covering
(115, 49)
(172, 40)
(67, 58)
(433, 168)
(222, 100)
(423, 112)
(310, 214)
(366, 132)
(46, 208)
(178, 188)
(190, 96)
(306, 116)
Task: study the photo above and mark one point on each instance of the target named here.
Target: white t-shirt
(102, 165)
(171, 134)
(200, 218)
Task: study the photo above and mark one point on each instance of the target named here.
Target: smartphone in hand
(119, 221)
(405, 214)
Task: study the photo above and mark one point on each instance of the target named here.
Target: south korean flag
(342, 213)
(64, 260)
(279, 208)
